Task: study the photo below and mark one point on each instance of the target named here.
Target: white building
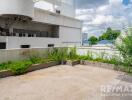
(23, 25)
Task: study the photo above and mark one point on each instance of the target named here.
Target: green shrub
(89, 56)
(5, 66)
(111, 61)
(125, 48)
(20, 67)
(83, 58)
(58, 54)
(36, 60)
(72, 54)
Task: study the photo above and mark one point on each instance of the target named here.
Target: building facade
(23, 25)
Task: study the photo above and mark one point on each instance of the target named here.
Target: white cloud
(114, 14)
(101, 19)
(115, 2)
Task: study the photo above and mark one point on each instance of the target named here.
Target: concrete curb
(72, 63)
(6, 73)
(98, 64)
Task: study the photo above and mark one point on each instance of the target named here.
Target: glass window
(2, 45)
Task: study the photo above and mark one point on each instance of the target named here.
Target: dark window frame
(51, 45)
(25, 46)
(2, 45)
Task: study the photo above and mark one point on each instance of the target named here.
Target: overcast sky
(97, 15)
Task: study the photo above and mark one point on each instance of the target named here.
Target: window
(30, 35)
(50, 45)
(20, 34)
(2, 45)
(58, 11)
(25, 46)
(24, 34)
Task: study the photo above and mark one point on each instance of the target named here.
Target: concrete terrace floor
(63, 83)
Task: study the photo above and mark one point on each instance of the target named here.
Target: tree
(93, 40)
(110, 34)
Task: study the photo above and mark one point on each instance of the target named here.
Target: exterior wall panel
(34, 42)
(48, 17)
(17, 7)
(70, 36)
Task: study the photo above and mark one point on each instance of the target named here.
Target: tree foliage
(93, 40)
(110, 34)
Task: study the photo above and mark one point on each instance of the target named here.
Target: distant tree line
(108, 35)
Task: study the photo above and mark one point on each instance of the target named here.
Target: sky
(98, 15)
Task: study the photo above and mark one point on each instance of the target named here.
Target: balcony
(51, 32)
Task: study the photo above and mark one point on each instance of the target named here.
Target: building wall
(2, 22)
(67, 10)
(33, 26)
(34, 42)
(67, 37)
(69, 31)
(52, 18)
(21, 54)
(70, 36)
(3, 39)
(17, 7)
(66, 7)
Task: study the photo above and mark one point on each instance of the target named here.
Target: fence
(98, 50)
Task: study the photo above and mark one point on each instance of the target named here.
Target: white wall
(70, 36)
(48, 17)
(34, 42)
(18, 7)
(66, 7)
(67, 37)
(100, 51)
(67, 10)
(21, 54)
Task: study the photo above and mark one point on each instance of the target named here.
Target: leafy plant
(72, 54)
(36, 60)
(89, 56)
(125, 48)
(20, 67)
(58, 54)
(5, 66)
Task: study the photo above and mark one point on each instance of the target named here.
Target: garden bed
(72, 62)
(7, 73)
(121, 68)
(41, 66)
(34, 67)
(97, 64)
